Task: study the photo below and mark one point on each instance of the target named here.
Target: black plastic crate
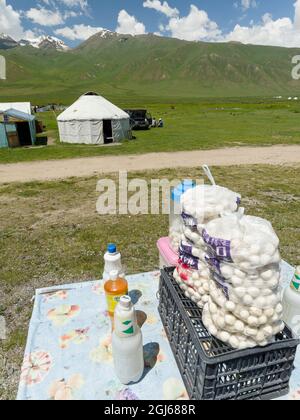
(212, 370)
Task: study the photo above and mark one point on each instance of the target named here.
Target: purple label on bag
(238, 201)
(188, 260)
(221, 284)
(215, 271)
(189, 221)
(214, 264)
(186, 248)
(220, 247)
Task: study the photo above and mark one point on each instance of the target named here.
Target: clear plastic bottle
(175, 220)
(127, 343)
(291, 304)
(113, 261)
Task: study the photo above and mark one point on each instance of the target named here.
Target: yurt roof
(14, 113)
(18, 106)
(92, 107)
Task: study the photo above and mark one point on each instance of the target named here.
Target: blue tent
(17, 129)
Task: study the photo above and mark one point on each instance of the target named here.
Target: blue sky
(268, 22)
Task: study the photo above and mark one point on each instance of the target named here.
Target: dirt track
(85, 167)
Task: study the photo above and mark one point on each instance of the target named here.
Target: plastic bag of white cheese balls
(196, 252)
(226, 321)
(194, 283)
(207, 202)
(269, 311)
(175, 236)
(237, 341)
(260, 290)
(267, 277)
(239, 325)
(247, 242)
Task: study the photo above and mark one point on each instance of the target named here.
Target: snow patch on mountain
(42, 42)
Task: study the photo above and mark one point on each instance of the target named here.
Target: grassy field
(51, 234)
(189, 126)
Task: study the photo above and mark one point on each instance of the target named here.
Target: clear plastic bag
(239, 341)
(253, 315)
(194, 283)
(247, 242)
(207, 202)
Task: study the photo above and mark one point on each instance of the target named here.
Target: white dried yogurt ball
(234, 342)
(247, 299)
(225, 336)
(230, 306)
(230, 320)
(239, 326)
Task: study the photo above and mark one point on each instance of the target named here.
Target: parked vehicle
(140, 119)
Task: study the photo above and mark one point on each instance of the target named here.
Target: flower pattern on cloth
(152, 319)
(103, 353)
(63, 314)
(126, 395)
(36, 367)
(61, 295)
(65, 390)
(98, 289)
(78, 337)
(69, 348)
(174, 390)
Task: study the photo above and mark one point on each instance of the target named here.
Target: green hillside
(128, 68)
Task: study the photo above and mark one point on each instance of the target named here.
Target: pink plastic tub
(167, 256)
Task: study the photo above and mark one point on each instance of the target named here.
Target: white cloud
(71, 14)
(82, 4)
(71, 4)
(78, 32)
(10, 22)
(45, 17)
(283, 32)
(248, 4)
(128, 24)
(162, 7)
(197, 26)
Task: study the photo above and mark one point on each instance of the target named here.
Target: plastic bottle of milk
(127, 343)
(113, 262)
(291, 304)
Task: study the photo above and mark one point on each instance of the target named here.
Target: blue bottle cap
(181, 189)
(112, 248)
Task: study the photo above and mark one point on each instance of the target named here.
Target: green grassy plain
(51, 235)
(207, 124)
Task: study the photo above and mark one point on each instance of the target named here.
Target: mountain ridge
(126, 66)
(41, 42)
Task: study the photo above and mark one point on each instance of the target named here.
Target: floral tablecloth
(68, 354)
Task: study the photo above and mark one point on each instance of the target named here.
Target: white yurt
(92, 119)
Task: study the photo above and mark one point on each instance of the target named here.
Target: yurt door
(107, 131)
(12, 135)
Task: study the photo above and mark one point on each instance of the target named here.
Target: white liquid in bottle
(291, 304)
(127, 343)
